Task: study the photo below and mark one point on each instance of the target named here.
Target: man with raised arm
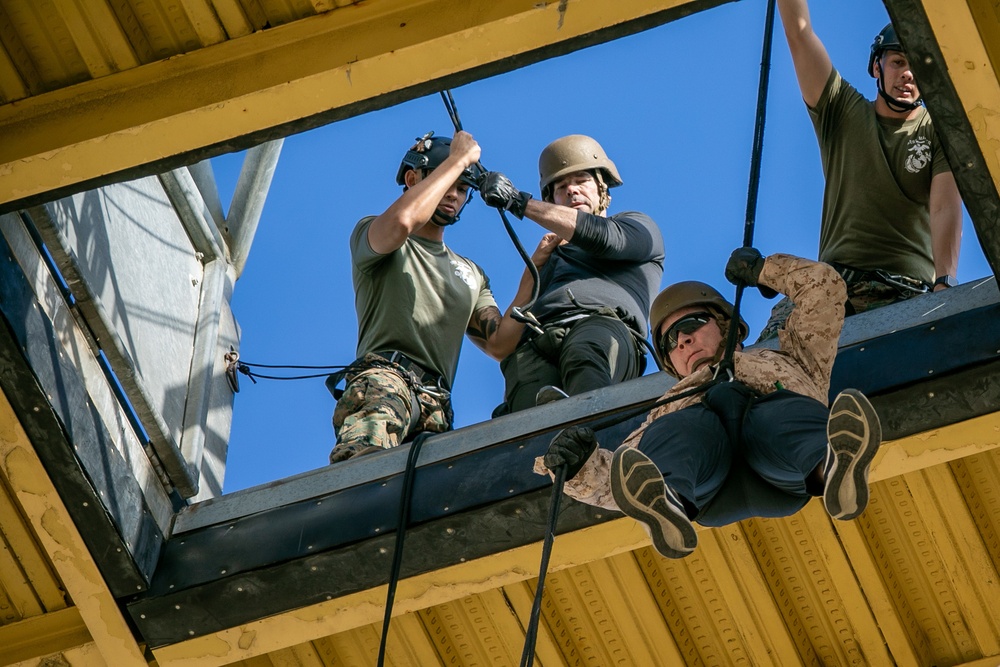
(415, 299)
(892, 214)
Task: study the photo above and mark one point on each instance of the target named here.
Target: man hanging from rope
(892, 214)
(415, 299)
(759, 445)
(595, 290)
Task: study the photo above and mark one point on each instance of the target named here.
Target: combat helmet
(428, 153)
(576, 152)
(685, 294)
(886, 40)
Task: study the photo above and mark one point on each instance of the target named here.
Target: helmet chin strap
(892, 102)
(444, 220)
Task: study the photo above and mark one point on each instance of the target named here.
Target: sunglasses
(685, 326)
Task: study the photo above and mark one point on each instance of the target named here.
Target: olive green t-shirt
(417, 300)
(878, 180)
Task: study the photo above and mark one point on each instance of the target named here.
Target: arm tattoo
(485, 323)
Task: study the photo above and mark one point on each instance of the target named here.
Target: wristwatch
(945, 280)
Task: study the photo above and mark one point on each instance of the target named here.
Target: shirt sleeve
(812, 332)
(362, 255)
(485, 298)
(837, 97)
(630, 236)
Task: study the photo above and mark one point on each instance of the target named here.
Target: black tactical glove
(744, 266)
(571, 448)
(497, 191)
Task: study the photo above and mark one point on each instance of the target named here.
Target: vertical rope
(754, 186)
(397, 554)
(531, 634)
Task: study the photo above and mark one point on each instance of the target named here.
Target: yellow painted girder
(87, 655)
(275, 76)
(413, 594)
(59, 537)
(940, 445)
(26, 579)
(974, 437)
(968, 570)
(38, 636)
(97, 36)
(968, 32)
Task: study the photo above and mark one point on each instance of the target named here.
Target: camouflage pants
(862, 295)
(380, 409)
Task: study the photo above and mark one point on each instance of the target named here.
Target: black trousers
(760, 472)
(590, 354)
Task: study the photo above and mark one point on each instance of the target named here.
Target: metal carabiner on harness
(724, 372)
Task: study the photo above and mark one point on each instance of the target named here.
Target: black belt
(899, 281)
(407, 364)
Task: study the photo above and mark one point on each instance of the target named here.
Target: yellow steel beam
(62, 542)
(614, 537)
(940, 445)
(420, 592)
(234, 20)
(25, 575)
(969, 35)
(870, 572)
(319, 65)
(42, 635)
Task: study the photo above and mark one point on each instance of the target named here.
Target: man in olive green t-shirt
(892, 214)
(415, 299)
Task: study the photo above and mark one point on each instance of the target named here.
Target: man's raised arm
(812, 62)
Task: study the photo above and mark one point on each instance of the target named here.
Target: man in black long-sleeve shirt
(596, 288)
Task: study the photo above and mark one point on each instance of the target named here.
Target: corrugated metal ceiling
(52, 45)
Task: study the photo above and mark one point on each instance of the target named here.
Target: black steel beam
(51, 402)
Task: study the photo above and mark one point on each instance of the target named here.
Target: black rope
(754, 186)
(531, 634)
(520, 314)
(332, 367)
(245, 367)
(397, 554)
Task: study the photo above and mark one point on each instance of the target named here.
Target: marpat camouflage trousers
(379, 408)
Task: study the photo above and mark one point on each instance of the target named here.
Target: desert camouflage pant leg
(376, 410)
(862, 296)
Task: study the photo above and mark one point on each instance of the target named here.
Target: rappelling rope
(519, 313)
(754, 186)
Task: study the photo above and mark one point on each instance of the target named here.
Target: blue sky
(674, 109)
